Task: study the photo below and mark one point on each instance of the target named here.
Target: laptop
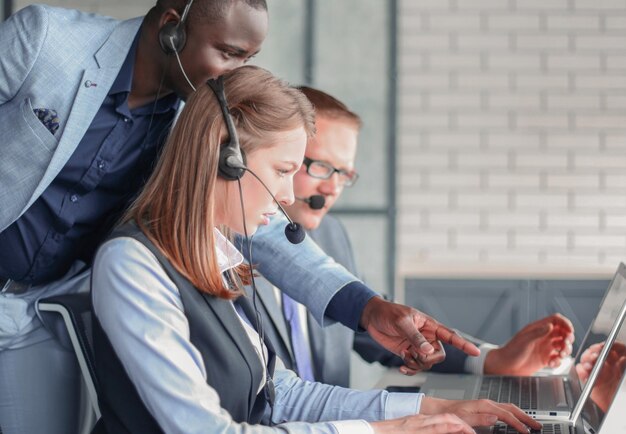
(541, 397)
(597, 404)
(614, 421)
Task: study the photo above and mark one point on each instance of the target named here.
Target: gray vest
(230, 360)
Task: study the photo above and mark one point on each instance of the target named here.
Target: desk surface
(393, 377)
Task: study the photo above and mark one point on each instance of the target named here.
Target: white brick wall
(512, 131)
(512, 134)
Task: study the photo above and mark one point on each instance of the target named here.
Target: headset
(232, 167)
(172, 36)
(232, 162)
(172, 39)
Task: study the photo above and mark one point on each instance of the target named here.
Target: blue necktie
(299, 342)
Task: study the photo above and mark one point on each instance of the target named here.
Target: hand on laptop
(422, 424)
(609, 378)
(481, 412)
(406, 332)
(542, 343)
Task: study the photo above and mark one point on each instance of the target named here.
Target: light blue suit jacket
(46, 57)
(67, 60)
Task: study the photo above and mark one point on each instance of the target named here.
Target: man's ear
(170, 15)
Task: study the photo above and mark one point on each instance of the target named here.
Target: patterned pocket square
(49, 118)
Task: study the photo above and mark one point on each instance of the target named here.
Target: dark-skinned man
(85, 104)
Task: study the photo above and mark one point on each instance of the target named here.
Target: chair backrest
(75, 309)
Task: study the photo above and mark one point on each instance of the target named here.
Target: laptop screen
(609, 310)
(614, 421)
(609, 379)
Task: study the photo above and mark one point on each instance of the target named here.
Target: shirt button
(126, 120)
(74, 198)
(101, 165)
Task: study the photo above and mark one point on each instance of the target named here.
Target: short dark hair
(214, 10)
(329, 106)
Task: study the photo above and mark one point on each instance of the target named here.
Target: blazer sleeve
(303, 271)
(21, 39)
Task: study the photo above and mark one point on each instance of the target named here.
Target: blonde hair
(176, 209)
(328, 106)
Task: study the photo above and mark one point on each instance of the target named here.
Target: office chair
(75, 310)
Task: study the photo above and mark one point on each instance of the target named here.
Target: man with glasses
(316, 353)
(323, 354)
(324, 170)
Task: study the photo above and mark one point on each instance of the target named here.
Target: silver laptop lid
(604, 320)
(606, 376)
(614, 420)
(609, 309)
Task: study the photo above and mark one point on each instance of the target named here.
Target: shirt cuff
(352, 426)
(348, 303)
(402, 404)
(476, 365)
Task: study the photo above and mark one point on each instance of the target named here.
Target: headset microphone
(293, 231)
(317, 201)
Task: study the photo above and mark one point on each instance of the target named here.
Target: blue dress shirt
(78, 209)
(141, 312)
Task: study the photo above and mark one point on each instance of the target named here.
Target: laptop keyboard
(521, 391)
(548, 428)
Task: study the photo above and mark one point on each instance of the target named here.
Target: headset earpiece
(232, 164)
(232, 161)
(172, 37)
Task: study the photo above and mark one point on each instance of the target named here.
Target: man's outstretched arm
(311, 277)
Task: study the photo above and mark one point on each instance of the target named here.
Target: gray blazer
(329, 345)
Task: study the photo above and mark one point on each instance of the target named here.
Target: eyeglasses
(322, 170)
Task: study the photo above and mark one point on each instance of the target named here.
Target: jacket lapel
(107, 63)
(266, 294)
